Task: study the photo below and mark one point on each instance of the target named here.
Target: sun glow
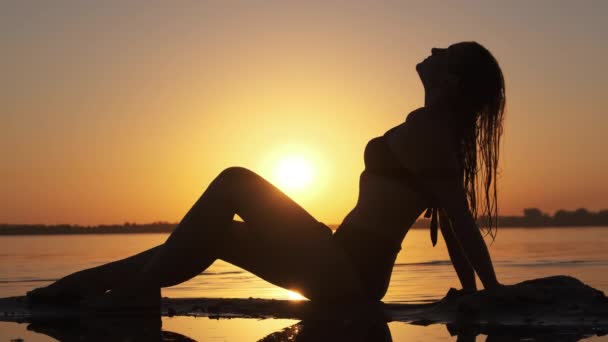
(291, 295)
(294, 173)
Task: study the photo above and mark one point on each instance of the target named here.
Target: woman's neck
(450, 117)
(442, 108)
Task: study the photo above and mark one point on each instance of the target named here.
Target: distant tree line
(126, 228)
(532, 217)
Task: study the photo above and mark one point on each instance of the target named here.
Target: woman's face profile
(435, 71)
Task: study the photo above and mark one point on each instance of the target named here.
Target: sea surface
(422, 273)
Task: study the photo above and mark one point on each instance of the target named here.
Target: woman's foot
(70, 289)
(128, 300)
(456, 293)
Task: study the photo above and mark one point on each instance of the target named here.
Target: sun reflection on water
(292, 295)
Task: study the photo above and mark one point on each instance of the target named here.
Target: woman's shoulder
(427, 118)
(427, 140)
(417, 115)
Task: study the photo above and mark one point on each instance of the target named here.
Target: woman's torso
(387, 206)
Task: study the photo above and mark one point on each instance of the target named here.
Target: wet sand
(560, 306)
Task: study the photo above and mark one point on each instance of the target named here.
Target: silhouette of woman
(435, 160)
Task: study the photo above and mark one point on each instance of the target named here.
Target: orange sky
(114, 113)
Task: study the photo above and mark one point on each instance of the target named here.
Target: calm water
(422, 273)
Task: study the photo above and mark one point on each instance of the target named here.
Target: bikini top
(379, 160)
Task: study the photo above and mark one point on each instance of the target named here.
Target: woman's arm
(466, 273)
(452, 197)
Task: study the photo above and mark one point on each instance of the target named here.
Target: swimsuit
(380, 161)
(373, 250)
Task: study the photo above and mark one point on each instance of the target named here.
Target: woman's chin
(422, 69)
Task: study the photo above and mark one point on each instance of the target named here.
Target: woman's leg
(95, 280)
(317, 269)
(279, 240)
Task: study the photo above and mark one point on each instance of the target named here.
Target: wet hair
(482, 103)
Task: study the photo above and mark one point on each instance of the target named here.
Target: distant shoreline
(93, 231)
(51, 230)
(66, 229)
(532, 219)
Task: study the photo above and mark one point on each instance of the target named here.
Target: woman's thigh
(279, 241)
(313, 265)
(269, 213)
(265, 208)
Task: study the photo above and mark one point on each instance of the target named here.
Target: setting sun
(294, 173)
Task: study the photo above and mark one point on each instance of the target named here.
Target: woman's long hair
(482, 97)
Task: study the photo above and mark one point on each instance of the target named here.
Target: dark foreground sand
(558, 304)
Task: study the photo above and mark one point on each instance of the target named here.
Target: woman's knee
(232, 180)
(244, 190)
(229, 176)
(242, 178)
(235, 174)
